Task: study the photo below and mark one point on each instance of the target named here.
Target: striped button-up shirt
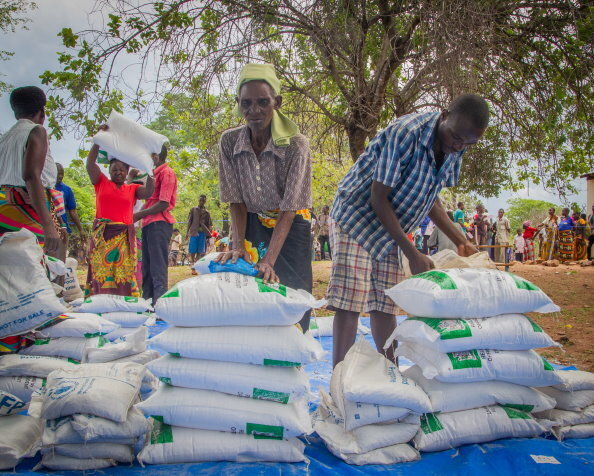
(401, 157)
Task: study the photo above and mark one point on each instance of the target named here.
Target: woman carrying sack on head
(112, 254)
(265, 175)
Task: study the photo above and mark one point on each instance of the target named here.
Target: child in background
(174, 245)
(519, 245)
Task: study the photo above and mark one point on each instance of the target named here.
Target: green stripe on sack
(547, 365)
(517, 406)
(173, 292)
(281, 363)
(271, 288)
(264, 432)
(535, 326)
(523, 284)
(442, 279)
(430, 423)
(446, 328)
(465, 360)
(261, 394)
(514, 413)
(161, 432)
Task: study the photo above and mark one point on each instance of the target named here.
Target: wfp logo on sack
(65, 388)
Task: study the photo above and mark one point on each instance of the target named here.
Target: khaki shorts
(358, 282)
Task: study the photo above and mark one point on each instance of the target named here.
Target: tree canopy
(354, 65)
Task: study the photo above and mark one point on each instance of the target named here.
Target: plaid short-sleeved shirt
(401, 157)
(280, 179)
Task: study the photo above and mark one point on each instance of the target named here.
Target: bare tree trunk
(357, 137)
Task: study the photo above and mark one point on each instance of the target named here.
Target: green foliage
(522, 209)
(11, 18)
(76, 177)
(349, 67)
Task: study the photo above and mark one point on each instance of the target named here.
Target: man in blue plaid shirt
(393, 185)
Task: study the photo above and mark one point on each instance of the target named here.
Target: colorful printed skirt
(529, 251)
(16, 213)
(112, 260)
(548, 244)
(293, 265)
(581, 249)
(566, 245)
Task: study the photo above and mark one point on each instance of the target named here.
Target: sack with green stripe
(284, 346)
(77, 324)
(100, 303)
(27, 298)
(178, 445)
(33, 365)
(522, 367)
(233, 299)
(469, 292)
(504, 332)
(210, 410)
(442, 431)
(453, 397)
(277, 384)
(69, 347)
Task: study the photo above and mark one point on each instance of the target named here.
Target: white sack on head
(130, 142)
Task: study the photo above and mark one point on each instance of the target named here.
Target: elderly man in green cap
(265, 176)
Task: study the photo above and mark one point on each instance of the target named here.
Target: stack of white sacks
(88, 417)
(374, 410)
(473, 354)
(234, 388)
(573, 415)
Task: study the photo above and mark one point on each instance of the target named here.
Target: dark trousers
(425, 250)
(590, 243)
(155, 257)
(323, 239)
(520, 257)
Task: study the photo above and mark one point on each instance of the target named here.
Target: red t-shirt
(113, 203)
(529, 232)
(166, 191)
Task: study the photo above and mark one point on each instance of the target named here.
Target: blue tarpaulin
(517, 456)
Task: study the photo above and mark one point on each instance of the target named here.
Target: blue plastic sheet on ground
(518, 456)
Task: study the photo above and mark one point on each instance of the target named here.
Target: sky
(35, 51)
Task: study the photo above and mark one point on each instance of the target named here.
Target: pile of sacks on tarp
(472, 346)
(88, 417)
(233, 385)
(373, 411)
(573, 415)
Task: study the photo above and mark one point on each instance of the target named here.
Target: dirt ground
(571, 287)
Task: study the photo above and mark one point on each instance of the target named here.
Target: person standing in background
(440, 240)
(157, 227)
(591, 237)
(323, 226)
(502, 229)
(528, 236)
(566, 236)
(519, 245)
(174, 246)
(581, 243)
(481, 226)
(71, 215)
(549, 225)
(459, 216)
(198, 232)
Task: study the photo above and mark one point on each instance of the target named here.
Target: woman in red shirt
(112, 256)
(528, 235)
